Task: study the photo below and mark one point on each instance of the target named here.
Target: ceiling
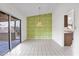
(29, 9)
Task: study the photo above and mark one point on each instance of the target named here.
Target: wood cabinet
(65, 20)
(68, 37)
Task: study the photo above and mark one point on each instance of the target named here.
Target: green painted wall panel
(42, 32)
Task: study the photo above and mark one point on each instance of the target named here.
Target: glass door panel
(4, 34)
(15, 32)
(12, 29)
(18, 36)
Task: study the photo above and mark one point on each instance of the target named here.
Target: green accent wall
(39, 32)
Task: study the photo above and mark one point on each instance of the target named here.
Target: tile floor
(40, 48)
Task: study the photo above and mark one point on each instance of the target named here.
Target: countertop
(67, 30)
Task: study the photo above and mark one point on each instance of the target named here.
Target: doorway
(69, 28)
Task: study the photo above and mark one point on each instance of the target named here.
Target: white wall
(10, 9)
(58, 27)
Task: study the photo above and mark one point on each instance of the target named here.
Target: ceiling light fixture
(39, 23)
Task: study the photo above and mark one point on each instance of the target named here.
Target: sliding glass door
(10, 32)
